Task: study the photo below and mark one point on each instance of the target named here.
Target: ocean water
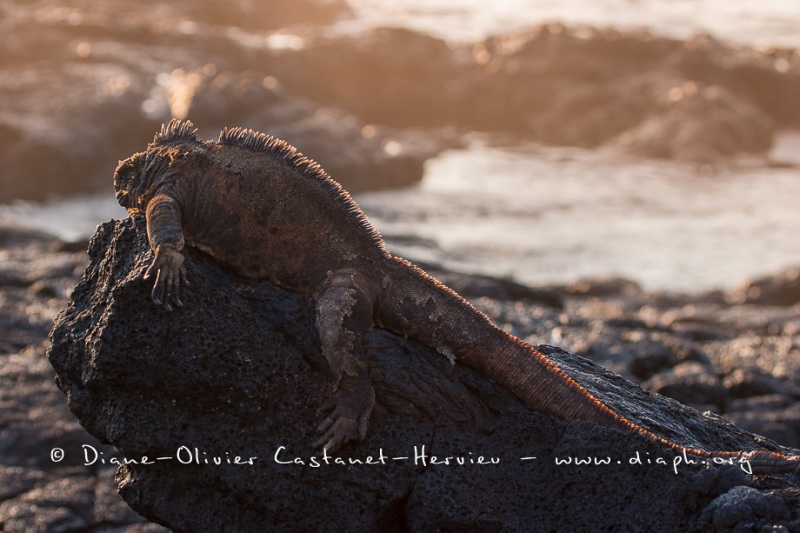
(545, 215)
(554, 215)
(755, 22)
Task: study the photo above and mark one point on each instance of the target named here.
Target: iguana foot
(344, 314)
(348, 412)
(170, 276)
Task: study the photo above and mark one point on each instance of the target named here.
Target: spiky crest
(308, 168)
(176, 132)
(260, 142)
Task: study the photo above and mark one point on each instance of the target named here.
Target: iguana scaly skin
(257, 205)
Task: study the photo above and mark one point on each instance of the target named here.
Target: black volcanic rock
(39, 489)
(697, 100)
(237, 372)
(780, 289)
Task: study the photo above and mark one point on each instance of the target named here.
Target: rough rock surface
(697, 100)
(237, 372)
(779, 289)
(37, 493)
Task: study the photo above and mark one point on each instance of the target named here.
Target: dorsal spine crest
(261, 142)
(280, 149)
(176, 132)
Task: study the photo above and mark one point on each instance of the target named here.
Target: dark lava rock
(775, 416)
(237, 372)
(475, 286)
(634, 348)
(651, 358)
(34, 281)
(257, 15)
(745, 505)
(744, 383)
(729, 125)
(40, 491)
(778, 289)
(37, 492)
(692, 383)
(604, 287)
(698, 100)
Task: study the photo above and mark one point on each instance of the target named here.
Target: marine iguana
(257, 205)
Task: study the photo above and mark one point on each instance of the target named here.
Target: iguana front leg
(344, 314)
(165, 234)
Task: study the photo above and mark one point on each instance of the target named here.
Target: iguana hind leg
(344, 314)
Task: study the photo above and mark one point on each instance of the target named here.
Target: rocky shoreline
(731, 354)
(83, 86)
(87, 85)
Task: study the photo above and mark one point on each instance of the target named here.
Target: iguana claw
(348, 417)
(168, 266)
(341, 431)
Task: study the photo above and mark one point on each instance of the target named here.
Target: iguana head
(137, 177)
(128, 178)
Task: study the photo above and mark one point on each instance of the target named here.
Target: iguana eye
(121, 196)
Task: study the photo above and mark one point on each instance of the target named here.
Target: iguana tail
(420, 307)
